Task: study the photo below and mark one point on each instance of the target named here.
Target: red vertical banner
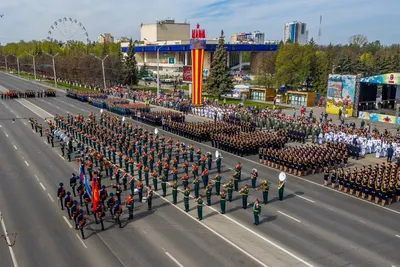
(197, 75)
(95, 194)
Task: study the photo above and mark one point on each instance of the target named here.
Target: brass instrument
(241, 191)
(225, 185)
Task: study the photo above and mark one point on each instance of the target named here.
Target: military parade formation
(140, 162)
(13, 94)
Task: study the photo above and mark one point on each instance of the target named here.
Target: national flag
(81, 175)
(95, 194)
(86, 184)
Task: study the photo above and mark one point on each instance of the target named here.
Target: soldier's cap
(117, 202)
(103, 187)
(73, 174)
(68, 193)
(81, 211)
(111, 194)
(99, 203)
(75, 202)
(61, 184)
(80, 182)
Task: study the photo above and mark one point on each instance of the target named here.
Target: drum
(144, 199)
(66, 139)
(62, 136)
(57, 133)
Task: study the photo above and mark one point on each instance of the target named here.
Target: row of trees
(75, 62)
(308, 66)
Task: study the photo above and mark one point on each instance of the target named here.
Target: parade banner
(95, 194)
(197, 46)
(85, 182)
(340, 93)
(390, 78)
(378, 117)
(187, 74)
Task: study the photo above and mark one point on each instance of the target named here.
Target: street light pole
(158, 66)
(104, 72)
(34, 63)
(5, 59)
(54, 67)
(18, 64)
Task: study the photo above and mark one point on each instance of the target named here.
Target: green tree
(219, 79)
(143, 72)
(289, 65)
(129, 69)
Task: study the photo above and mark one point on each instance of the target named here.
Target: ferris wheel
(67, 30)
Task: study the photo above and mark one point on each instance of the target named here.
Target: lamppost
(5, 59)
(54, 67)
(102, 66)
(18, 64)
(158, 66)
(34, 63)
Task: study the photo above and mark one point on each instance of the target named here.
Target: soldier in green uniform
(196, 183)
(218, 183)
(230, 189)
(186, 195)
(245, 194)
(256, 212)
(163, 180)
(155, 183)
(223, 201)
(281, 188)
(236, 178)
(264, 187)
(200, 208)
(209, 193)
(218, 162)
(175, 192)
(149, 197)
(130, 206)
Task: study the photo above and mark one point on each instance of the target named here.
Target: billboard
(187, 74)
(378, 117)
(390, 78)
(340, 93)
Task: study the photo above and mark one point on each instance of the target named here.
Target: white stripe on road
(175, 260)
(67, 221)
(6, 134)
(37, 178)
(61, 157)
(44, 142)
(80, 239)
(44, 188)
(51, 198)
(294, 219)
(10, 248)
(1, 126)
(26, 163)
(216, 233)
(25, 123)
(15, 147)
(35, 109)
(398, 236)
(361, 221)
(309, 200)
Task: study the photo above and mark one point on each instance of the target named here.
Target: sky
(31, 19)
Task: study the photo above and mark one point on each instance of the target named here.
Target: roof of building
(209, 48)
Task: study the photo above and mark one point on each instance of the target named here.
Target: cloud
(31, 19)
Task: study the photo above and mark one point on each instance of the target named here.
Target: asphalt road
(320, 225)
(163, 237)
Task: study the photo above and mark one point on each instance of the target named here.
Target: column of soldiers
(27, 94)
(379, 183)
(11, 94)
(156, 118)
(201, 131)
(303, 160)
(115, 147)
(244, 144)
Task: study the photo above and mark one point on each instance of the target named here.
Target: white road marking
(173, 259)
(361, 221)
(216, 233)
(35, 109)
(163, 248)
(67, 221)
(57, 107)
(51, 198)
(44, 142)
(294, 219)
(44, 188)
(6, 134)
(25, 123)
(33, 131)
(37, 178)
(3, 225)
(15, 147)
(144, 232)
(80, 239)
(309, 200)
(26, 163)
(1, 126)
(61, 157)
(398, 236)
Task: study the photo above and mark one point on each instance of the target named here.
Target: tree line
(75, 62)
(308, 66)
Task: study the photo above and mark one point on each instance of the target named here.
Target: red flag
(95, 194)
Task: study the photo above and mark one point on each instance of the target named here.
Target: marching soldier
(200, 208)
(130, 206)
(204, 177)
(118, 191)
(75, 212)
(218, 183)
(196, 183)
(163, 180)
(175, 193)
(100, 213)
(149, 197)
(186, 195)
(111, 203)
(140, 190)
(61, 195)
(264, 187)
(155, 182)
(256, 212)
(229, 186)
(223, 201)
(253, 176)
(218, 162)
(238, 169)
(86, 199)
(209, 193)
(68, 201)
(326, 176)
(81, 222)
(185, 181)
(118, 212)
(72, 183)
(81, 191)
(236, 181)
(245, 193)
